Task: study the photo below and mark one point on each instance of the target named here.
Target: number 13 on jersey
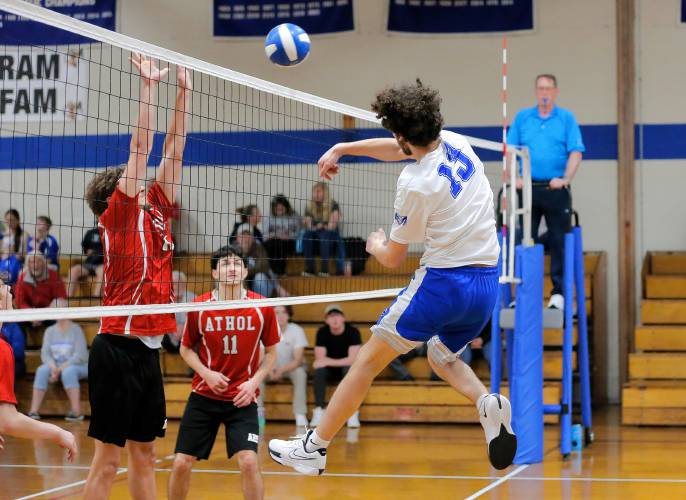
(464, 171)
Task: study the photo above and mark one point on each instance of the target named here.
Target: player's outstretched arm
(143, 133)
(16, 424)
(169, 171)
(383, 149)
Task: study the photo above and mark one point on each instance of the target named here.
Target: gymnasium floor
(395, 462)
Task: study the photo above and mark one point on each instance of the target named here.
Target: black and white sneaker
(293, 453)
(495, 415)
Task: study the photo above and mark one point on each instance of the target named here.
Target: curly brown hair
(101, 187)
(412, 111)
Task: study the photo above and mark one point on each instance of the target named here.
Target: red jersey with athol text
(228, 341)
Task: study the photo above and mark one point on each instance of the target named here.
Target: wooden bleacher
(655, 393)
(419, 401)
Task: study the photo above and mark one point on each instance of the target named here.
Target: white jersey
(446, 202)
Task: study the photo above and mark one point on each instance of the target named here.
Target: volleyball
(287, 45)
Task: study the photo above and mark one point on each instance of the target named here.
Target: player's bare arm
(216, 381)
(19, 425)
(246, 392)
(388, 252)
(169, 171)
(143, 133)
(384, 149)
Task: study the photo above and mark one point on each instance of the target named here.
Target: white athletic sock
(316, 442)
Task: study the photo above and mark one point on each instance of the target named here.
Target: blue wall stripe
(655, 141)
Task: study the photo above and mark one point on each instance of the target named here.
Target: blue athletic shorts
(452, 304)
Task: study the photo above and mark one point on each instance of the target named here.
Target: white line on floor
(497, 483)
(76, 483)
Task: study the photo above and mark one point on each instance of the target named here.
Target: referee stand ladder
(521, 268)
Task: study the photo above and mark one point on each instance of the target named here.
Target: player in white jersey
(444, 200)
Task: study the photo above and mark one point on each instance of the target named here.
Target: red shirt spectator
(38, 286)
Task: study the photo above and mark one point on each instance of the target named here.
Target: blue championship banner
(683, 11)
(240, 18)
(15, 30)
(460, 16)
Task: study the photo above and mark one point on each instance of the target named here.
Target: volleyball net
(249, 174)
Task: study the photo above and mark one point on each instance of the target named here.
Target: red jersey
(6, 373)
(228, 341)
(137, 248)
(31, 293)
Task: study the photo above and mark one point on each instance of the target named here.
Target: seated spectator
(92, 266)
(322, 224)
(10, 266)
(336, 348)
(290, 359)
(64, 357)
(282, 231)
(13, 235)
(171, 341)
(16, 339)
(38, 286)
(43, 242)
(261, 279)
(251, 215)
(480, 346)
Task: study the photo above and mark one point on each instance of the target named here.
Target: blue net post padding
(567, 347)
(582, 348)
(526, 375)
(496, 341)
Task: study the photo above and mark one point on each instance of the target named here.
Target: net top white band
(56, 313)
(61, 21)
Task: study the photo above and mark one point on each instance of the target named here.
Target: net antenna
(228, 103)
(510, 207)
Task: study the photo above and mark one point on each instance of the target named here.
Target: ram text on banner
(240, 18)
(16, 30)
(460, 16)
(42, 84)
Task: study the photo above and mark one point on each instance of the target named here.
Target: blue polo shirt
(550, 140)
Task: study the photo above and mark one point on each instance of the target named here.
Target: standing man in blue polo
(554, 140)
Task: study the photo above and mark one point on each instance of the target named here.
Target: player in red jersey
(228, 374)
(12, 422)
(126, 390)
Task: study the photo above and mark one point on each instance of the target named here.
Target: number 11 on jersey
(232, 349)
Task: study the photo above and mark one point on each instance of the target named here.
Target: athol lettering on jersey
(229, 323)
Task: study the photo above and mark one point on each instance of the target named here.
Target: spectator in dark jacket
(282, 231)
(92, 265)
(251, 215)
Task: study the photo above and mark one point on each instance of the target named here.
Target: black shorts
(125, 390)
(200, 424)
(91, 266)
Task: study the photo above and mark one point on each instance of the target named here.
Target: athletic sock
(316, 442)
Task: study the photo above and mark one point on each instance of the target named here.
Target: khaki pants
(298, 378)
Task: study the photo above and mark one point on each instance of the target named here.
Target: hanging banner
(460, 16)
(16, 30)
(240, 18)
(683, 11)
(41, 84)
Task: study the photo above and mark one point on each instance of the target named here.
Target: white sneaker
(495, 415)
(354, 420)
(556, 301)
(294, 454)
(301, 420)
(317, 415)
